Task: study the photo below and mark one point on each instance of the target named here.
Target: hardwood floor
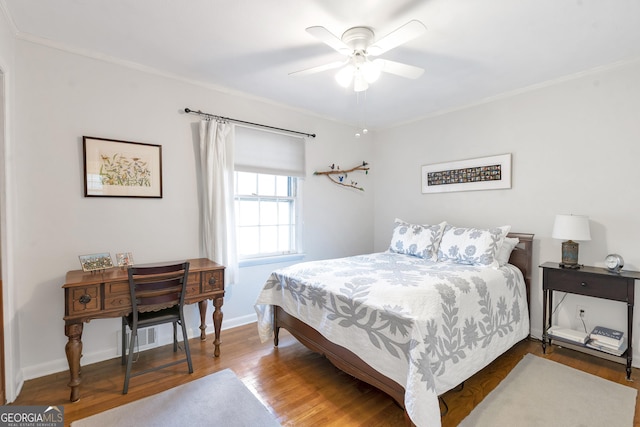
(299, 387)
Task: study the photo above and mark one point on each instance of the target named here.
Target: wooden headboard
(522, 257)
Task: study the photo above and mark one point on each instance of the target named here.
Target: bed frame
(348, 362)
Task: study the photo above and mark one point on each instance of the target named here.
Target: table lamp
(571, 227)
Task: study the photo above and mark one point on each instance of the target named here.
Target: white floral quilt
(426, 325)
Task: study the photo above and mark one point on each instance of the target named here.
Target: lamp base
(571, 266)
(570, 254)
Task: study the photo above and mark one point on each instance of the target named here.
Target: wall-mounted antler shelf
(342, 175)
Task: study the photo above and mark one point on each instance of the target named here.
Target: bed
(410, 321)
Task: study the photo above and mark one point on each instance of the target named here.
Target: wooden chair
(157, 297)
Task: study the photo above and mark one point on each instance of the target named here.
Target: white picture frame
(124, 259)
(483, 173)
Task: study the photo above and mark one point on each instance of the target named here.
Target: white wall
(10, 332)
(575, 149)
(60, 97)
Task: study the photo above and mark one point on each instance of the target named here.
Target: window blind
(267, 152)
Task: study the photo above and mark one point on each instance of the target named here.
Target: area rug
(540, 392)
(219, 399)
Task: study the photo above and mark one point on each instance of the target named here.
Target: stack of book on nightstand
(607, 340)
(570, 335)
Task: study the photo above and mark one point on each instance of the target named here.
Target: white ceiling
(472, 50)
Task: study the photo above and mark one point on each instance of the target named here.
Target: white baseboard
(536, 333)
(239, 321)
(61, 364)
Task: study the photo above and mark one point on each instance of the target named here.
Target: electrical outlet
(581, 312)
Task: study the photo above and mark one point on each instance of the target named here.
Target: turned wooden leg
(217, 324)
(202, 305)
(73, 349)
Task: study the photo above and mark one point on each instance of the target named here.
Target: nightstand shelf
(592, 282)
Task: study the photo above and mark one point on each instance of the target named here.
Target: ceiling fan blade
(325, 36)
(399, 69)
(319, 68)
(408, 31)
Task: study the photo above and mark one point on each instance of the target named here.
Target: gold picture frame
(93, 262)
(114, 168)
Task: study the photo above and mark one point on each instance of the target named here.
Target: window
(266, 214)
(268, 171)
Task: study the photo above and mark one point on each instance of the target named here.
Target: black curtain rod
(213, 116)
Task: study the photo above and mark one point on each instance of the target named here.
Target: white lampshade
(360, 72)
(571, 227)
(345, 75)
(359, 83)
(370, 71)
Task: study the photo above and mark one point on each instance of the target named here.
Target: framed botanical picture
(121, 169)
(94, 262)
(485, 173)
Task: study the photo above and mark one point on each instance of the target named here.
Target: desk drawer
(193, 279)
(587, 284)
(116, 295)
(213, 281)
(193, 285)
(83, 300)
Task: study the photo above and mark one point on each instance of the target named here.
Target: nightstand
(592, 282)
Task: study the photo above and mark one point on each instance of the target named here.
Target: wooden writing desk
(104, 294)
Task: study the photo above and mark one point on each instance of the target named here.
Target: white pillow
(420, 240)
(505, 250)
(472, 246)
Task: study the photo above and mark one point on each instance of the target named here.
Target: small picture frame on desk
(124, 259)
(94, 262)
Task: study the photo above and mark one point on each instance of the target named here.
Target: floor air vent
(147, 338)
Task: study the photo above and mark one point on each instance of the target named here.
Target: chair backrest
(157, 287)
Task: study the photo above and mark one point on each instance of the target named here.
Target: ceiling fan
(359, 44)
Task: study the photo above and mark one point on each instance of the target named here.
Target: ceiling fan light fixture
(371, 71)
(359, 83)
(359, 44)
(345, 75)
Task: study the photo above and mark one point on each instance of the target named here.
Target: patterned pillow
(418, 240)
(507, 247)
(472, 246)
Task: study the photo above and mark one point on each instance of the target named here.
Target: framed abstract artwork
(485, 173)
(115, 168)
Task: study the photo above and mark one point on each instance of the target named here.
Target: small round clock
(614, 262)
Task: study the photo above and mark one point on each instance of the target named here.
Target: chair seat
(152, 318)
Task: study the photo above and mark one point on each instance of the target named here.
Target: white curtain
(216, 164)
